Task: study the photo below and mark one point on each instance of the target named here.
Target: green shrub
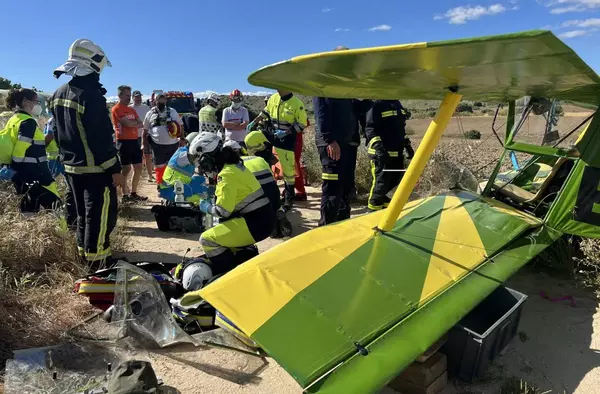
(473, 135)
(477, 104)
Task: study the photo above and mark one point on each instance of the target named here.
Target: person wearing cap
(235, 118)
(165, 134)
(127, 123)
(142, 110)
(84, 135)
(181, 168)
(207, 116)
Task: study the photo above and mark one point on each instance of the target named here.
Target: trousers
(287, 162)
(35, 197)
(384, 181)
(96, 206)
(299, 181)
(336, 176)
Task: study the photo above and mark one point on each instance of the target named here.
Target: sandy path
(557, 348)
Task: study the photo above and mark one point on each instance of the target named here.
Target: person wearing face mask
(84, 135)
(235, 119)
(31, 174)
(163, 130)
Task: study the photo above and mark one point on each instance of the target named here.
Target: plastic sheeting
(142, 310)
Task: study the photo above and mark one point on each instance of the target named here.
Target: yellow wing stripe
(457, 249)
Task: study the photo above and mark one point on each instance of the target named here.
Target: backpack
(8, 137)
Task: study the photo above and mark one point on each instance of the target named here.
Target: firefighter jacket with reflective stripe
(179, 167)
(84, 131)
(237, 193)
(29, 159)
(337, 120)
(207, 118)
(385, 127)
(262, 171)
(286, 113)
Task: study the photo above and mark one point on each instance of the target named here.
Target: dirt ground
(557, 347)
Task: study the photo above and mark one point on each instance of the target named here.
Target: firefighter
(244, 212)
(385, 132)
(84, 137)
(181, 168)
(207, 116)
(288, 117)
(31, 175)
(262, 171)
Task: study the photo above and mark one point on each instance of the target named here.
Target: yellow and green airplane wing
(497, 68)
(320, 299)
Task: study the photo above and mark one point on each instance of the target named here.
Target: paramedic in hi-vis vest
(84, 134)
(181, 168)
(385, 132)
(244, 212)
(30, 172)
(288, 117)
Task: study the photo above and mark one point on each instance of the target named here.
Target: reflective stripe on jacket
(286, 115)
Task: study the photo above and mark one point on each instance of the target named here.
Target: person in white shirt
(142, 110)
(235, 119)
(163, 129)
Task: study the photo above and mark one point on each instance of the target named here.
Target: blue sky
(207, 45)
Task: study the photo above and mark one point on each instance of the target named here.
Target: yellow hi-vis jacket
(286, 115)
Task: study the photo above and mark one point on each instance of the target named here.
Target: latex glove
(205, 206)
(281, 134)
(250, 127)
(6, 173)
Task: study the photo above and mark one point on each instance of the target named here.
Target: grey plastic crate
(481, 335)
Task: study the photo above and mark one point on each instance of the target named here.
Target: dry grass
(38, 268)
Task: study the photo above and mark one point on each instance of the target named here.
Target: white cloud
(460, 15)
(381, 28)
(565, 6)
(327, 9)
(574, 33)
(339, 29)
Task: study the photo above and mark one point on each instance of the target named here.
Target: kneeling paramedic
(288, 116)
(262, 171)
(244, 212)
(386, 139)
(23, 144)
(181, 168)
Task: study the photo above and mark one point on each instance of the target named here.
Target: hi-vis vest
(179, 168)
(13, 148)
(207, 118)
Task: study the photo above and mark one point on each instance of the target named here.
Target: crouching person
(244, 212)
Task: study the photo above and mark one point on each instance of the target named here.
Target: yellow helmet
(255, 141)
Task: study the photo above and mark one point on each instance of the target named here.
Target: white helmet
(85, 57)
(214, 98)
(190, 137)
(205, 142)
(195, 276)
(233, 145)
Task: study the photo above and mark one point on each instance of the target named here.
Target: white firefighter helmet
(85, 57)
(233, 145)
(205, 142)
(190, 137)
(195, 276)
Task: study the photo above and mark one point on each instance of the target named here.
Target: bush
(464, 107)
(477, 104)
(587, 267)
(472, 135)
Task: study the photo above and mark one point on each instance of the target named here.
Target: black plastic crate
(481, 335)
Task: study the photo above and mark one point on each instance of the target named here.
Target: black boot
(288, 196)
(283, 224)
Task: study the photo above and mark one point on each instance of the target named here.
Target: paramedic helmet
(255, 142)
(85, 57)
(205, 149)
(195, 276)
(190, 137)
(215, 99)
(236, 147)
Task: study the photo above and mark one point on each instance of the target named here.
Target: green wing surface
(315, 301)
(496, 68)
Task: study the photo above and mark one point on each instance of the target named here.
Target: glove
(6, 174)
(281, 134)
(205, 206)
(250, 127)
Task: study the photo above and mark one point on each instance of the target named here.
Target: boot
(288, 196)
(283, 224)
